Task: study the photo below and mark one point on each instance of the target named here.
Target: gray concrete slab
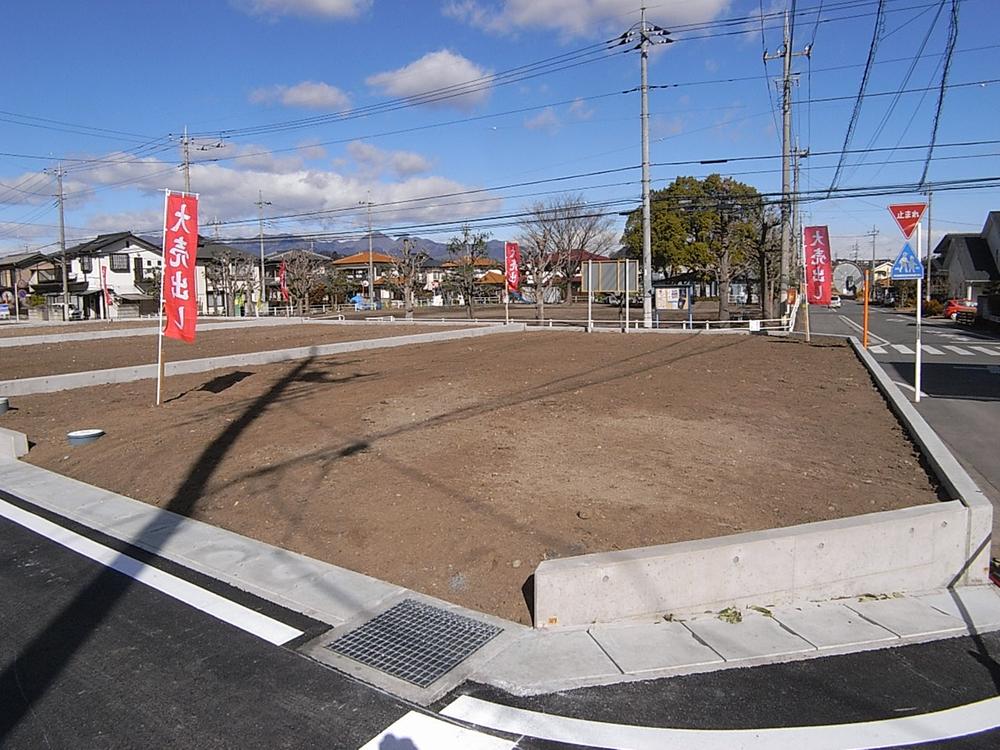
(978, 606)
(756, 637)
(907, 618)
(649, 647)
(830, 625)
(551, 659)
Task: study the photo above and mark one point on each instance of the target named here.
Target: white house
(121, 268)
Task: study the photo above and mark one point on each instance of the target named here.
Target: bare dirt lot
(455, 468)
(99, 354)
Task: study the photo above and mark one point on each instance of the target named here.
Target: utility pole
(186, 153)
(786, 54)
(856, 251)
(371, 265)
(930, 247)
(873, 234)
(260, 218)
(649, 33)
(62, 243)
(799, 264)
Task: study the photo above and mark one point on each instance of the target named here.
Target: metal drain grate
(415, 642)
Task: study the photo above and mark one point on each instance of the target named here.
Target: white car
(834, 301)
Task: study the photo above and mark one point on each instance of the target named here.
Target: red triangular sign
(907, 216)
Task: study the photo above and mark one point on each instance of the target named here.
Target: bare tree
(405, 273)
(302, 273)
(466, 252)
(231, 272)
(553, 238)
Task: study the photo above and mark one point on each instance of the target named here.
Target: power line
(949, 50)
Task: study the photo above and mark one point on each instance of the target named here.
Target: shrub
(933, 307)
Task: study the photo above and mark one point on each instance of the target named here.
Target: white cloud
(321, 8)
(376, 161)
(437, 70)
(307, 95)
(580, 110)
(574, 18)
(547, 119)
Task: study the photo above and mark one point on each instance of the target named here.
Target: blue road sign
(907, 265)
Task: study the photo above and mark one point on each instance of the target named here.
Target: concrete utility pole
(786, 54)
(62, 243)
(873, 234)
(648, 34)
(260, 218)
(371, 264)
(186, 154)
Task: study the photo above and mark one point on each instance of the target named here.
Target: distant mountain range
(343, 248)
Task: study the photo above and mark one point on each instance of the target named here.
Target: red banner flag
(907, 216)
(512, 266)
(104, 287)
(283, 282)
(819, 274)
(180, 246)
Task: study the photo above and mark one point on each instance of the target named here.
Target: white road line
(909, 387)
(876, 349)
(984, 350)
(264, 627)
(860, 328)
(958, 350)
(908, 730)
(930, 349)
(902, 349)
(416, 731)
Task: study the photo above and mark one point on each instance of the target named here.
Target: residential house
(226, 278)
(119, 268)
(16, 273)
(971, 261)
(358, 269)
(272, 268)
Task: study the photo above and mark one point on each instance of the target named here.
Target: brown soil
(455, 468)
(100, 354)
(76, 326)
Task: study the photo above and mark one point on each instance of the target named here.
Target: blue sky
(278, 96)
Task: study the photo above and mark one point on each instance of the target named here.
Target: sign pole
(163, 276)
(626, 294)
(590, 296)
(918, 356)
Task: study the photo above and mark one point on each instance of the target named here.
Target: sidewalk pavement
(521, 660)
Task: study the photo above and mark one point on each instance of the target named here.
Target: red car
(954, 306)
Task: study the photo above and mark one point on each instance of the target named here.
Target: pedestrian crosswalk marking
(959, 350)
(936, 350)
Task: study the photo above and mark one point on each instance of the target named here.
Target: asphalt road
(960, 383)
(92, 658)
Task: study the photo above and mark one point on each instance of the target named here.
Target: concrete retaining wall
(13, 445)
(911, 549)
(52, 383)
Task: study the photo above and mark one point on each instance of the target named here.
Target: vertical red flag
(512, 266)
(819, 274)
(180, 246)
(283, 282)
(104, 286)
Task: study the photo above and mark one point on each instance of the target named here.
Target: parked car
(834, 301)
(955, 306)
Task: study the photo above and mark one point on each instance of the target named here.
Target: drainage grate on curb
(415, 642)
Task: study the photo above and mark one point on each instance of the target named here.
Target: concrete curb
(68, 381)
(13, 445)
(120, 333)
(947, 469)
